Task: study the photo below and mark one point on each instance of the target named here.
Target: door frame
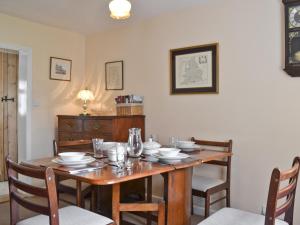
(24, 99)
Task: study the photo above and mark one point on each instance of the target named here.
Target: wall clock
(292, 37)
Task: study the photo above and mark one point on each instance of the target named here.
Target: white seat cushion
(203, 183)
(72, 184)
(70, 215)
(229, 216)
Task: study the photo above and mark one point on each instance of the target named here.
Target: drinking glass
(121, 154)
(97, 145)
(153, 137)
(173, 141)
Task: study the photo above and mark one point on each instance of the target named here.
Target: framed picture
(194, 70)
(60, 69)
(114, 75)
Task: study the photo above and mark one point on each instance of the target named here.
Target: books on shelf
(129, 105)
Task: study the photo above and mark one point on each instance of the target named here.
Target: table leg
(149, 199)
(116, 203)
(177, 195)
(78, 193)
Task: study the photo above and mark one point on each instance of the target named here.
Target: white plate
(177, 157)
(85, 160)
(150, 151)
(189, 147)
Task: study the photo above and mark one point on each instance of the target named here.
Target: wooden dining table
(177, 177)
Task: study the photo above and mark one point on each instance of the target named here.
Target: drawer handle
(96, 127)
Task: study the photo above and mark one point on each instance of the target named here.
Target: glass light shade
(86, 95)
(120, 9)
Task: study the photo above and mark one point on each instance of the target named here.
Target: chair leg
(207, 206)
(228, 197)
(93, 199)
(161, 214)
(192, 205)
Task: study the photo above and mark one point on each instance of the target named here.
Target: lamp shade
(120, 9)
(85, 95)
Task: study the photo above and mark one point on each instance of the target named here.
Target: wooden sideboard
(110, 128)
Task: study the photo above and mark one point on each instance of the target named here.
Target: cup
(97, 145)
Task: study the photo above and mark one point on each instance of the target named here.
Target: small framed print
(114, 75)
(60, 69)
(194, 70)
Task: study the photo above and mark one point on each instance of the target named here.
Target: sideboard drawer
(70, 125)
(70, 136)
(98, 126)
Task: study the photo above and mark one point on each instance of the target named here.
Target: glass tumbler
(97, 145)
(173, 141)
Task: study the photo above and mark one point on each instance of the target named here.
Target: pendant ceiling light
(120, 9)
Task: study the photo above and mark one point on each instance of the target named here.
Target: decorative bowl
(185, 144)
(168, 152)
(71, 156)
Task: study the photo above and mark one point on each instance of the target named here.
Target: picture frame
(194, 70)
(60, 69)
(114, 75)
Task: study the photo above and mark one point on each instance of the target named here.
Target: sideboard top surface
(98, 116)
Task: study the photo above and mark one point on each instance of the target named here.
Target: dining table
(177, 176)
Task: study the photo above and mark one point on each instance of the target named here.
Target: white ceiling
(88, 16)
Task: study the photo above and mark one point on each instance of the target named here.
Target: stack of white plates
(73, 159)
(151, 147)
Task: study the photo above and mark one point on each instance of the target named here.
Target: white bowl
(185, 144)
(71, 156)
(169, 152)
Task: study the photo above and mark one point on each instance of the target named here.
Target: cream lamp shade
(85, 95)
(120, 9)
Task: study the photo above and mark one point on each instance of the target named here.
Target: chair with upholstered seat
(50, 214)
(205, 187)
(229, 216)
(76, 188)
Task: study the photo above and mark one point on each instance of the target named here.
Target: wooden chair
(138, 207)
(50, 212)
(78, 189)
(229, 216)
(205, 186)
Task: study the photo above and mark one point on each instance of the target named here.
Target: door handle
(6, 99)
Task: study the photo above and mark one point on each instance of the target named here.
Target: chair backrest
(227, 145)
(276, 192)
(48, 193)
(76, 145)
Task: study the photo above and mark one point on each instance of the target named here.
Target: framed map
(194, 69)
(114, 75)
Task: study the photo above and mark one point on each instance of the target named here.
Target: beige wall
(257, 105)
(49, 97)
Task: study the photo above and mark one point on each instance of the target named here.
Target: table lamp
(85, 95)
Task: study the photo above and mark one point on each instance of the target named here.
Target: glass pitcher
(135, 144)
